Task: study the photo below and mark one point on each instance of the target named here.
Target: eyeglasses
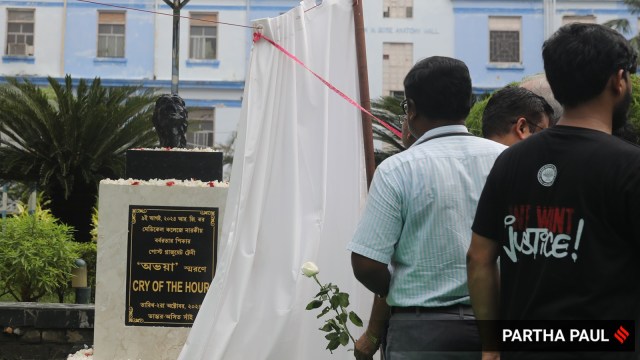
(404, 106)
(540, 128)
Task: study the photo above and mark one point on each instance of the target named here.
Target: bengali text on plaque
(171, 259)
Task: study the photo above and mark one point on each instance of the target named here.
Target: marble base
(112, 339)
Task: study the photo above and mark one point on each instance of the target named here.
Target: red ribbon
(257, 36)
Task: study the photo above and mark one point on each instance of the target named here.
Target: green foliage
(335, 303)
(18, 191)
(94, 225)
(634, 6)
(37, 255)
(88, 252)
(388, 103)
(66, 139)
(624, 27)
(386, 108)
(634, 110)
(79, 135)
(474, 120)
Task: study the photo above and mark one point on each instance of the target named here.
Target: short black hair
(579, 59)
(509, 103)
(440, 87)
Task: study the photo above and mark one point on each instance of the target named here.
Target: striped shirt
(419, 213)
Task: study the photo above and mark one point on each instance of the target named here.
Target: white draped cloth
(296, 193)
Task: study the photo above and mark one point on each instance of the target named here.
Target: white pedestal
(112, 339)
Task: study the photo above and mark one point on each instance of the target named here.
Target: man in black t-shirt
(562, 209)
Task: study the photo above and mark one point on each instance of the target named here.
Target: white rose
(309, 269)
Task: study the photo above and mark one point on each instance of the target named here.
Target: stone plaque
(171, 259)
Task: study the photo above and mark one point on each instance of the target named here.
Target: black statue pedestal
(142, 164)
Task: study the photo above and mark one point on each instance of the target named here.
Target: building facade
(401, 32)
(131, 44)
(501, 41)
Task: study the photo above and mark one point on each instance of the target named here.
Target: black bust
(170, 121)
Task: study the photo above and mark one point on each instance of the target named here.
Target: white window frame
(198, 42)
(202, 126)
(388, 71)
(392, 9)
(506, 23)
(203, 135)
(12, 47)
(119, 40)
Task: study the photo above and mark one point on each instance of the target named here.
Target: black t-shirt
(564, 205)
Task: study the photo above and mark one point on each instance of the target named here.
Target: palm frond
(386, 108)
(633, 5)
(388, 103)
(72, 134)
(621, 25)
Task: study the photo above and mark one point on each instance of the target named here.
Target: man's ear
(521, 128)
(619, 82)
(412, 114)
(411, 108)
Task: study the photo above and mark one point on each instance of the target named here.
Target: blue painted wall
(259, 9)
(81, 43)
(472, 40)
(472, 34)
(81, 33)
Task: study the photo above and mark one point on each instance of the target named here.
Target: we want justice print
(555, 235)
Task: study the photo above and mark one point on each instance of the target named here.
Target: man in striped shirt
(411, 242)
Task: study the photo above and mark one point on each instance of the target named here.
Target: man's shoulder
(626, 147)
(490, 145)
(626, 155)
(575, 145)
(572, 137)
(481, 148)
(394, 161)
(475, 145)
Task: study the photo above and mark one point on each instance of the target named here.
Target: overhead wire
(257, 36)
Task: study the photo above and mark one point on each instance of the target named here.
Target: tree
(386, 108)
(631, 132)
(623, 25)
(66, 141)
(474, 119)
